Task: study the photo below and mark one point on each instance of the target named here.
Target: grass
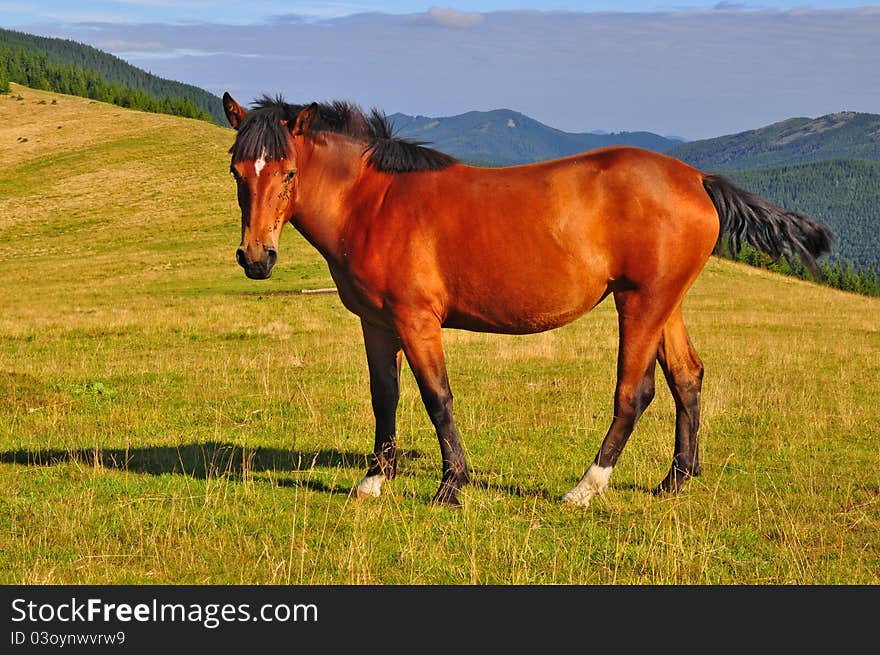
(165, 420)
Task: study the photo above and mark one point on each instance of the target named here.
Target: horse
(417, 241)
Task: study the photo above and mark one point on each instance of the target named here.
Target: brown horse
(417, 241)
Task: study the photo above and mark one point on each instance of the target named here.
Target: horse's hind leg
(640, 322)
(684, 374)
(383, 358)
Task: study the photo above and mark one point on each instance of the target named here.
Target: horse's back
(655, 217)
(599, 212)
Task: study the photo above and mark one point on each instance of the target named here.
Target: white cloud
(447, 17)
(121, 45)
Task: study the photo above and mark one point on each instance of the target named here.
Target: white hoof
(577, 497)
(594, 482)
(370, 486)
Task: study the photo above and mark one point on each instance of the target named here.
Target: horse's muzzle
(257, 270)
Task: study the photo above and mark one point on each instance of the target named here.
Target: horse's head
(264, 165)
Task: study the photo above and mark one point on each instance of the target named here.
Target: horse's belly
(525, 325)
(537, 309)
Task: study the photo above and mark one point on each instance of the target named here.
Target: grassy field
(165, 420)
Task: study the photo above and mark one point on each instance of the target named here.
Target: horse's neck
(332, 178)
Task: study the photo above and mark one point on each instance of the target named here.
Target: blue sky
(682, 68)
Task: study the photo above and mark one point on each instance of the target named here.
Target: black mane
(262, 134)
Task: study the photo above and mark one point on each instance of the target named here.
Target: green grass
(165, 420)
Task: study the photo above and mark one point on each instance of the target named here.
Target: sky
(682, 68)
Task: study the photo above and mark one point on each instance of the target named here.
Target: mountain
(505, 137)
(795, 141)
(66, 53)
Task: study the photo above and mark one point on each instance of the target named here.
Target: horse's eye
(288, 176)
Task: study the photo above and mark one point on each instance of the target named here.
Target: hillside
(64, 52)
(505, 137)
(164, 420)
(844, 193)
(795, 141)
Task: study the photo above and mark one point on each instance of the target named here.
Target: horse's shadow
(206, 460)
(215, 460)
(537, 491)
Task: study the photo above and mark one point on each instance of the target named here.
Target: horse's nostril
(272, 257)
(240, 258)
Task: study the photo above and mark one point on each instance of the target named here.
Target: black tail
(776, 231)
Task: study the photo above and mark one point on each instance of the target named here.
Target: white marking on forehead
(260, 163)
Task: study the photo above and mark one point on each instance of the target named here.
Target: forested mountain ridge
(845, 134)
(61, 54)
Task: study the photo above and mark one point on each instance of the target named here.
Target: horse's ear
(304, 119)
(234, 112)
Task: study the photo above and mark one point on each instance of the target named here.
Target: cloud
(310, 12)
(447, 17)
(288, 18)
(178, 54)
(121, 45)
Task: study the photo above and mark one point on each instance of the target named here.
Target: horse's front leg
(383, 358)
(422, 344)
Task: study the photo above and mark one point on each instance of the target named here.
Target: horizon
(698, 72)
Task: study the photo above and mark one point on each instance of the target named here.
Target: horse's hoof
(446, 498)
(577, 498)
(370, 486)
(594, 482)
(672, 485)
